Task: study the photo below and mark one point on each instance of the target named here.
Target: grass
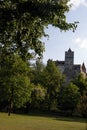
(32, 122)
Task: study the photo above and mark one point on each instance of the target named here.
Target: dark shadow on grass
(56, 116)
(72, 119)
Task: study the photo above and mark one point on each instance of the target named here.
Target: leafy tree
(83, 104)
(22, 24)
(37, 96)
(81, 82)
(68, 98)
(36, 72)
(52, 80)
(15, 87)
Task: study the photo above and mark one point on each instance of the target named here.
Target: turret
(69, 58)
(83, 68)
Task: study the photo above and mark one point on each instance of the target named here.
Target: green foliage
(22, 24)
(15, 87)
(52, 80)
(82, 107)
(37, 96)
(37, 72)
(52, 76)
(81, 82)
(69, 97)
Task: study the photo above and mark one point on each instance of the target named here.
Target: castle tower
(83, 68)
(69, 59)
(69, 69)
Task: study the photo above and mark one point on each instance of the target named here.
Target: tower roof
(83, 66)
(69, 50)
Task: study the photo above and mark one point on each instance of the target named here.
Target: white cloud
(77, 3)
(82, 43)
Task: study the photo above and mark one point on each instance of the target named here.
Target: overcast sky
(59, 42)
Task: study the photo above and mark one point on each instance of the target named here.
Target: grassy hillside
(31, 122)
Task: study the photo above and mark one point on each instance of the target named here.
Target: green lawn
(31, 122)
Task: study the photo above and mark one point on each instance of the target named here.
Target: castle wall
(61, 68)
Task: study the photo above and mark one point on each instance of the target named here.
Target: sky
(59, 42)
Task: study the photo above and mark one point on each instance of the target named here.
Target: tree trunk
(9, 109)
(10, 106)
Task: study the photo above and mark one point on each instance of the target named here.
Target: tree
(37, 96)
(81, 82)
(22, 24)
(68, 98)
(15, 87)
(52, 80)
(37, 72)
(83, 104)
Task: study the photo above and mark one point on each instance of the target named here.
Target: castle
(68, 67)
